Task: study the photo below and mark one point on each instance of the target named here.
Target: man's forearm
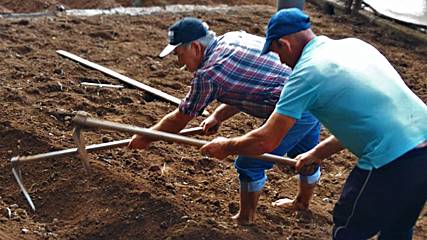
(224, 112)
(327, 147)
(264, 139)
(173, 122)
(254, 143)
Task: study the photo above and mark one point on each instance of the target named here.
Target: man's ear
(284, 43)
(197, 48)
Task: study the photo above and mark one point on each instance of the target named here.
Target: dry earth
(170, 191)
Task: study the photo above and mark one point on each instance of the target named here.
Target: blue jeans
(303, 136)
(386, 200)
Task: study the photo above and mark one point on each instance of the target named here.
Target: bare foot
(243, 221)
(293, 204)
(301, 202)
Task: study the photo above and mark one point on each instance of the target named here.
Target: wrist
(230, 147)
(317, 154)
(217, 119)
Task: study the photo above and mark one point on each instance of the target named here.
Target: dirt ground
(7, 6)
(169, 191)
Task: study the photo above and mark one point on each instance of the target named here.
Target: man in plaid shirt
(229, 69)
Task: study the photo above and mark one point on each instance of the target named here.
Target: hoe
(83, 121)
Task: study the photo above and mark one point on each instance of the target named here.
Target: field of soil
(7, 6)
(170, 191)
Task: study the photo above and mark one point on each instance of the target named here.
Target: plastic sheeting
(410, 11)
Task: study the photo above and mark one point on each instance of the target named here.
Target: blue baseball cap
(285, 22)
(184, 31)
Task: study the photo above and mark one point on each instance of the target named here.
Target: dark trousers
(387, 200)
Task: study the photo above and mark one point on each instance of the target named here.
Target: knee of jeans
(311, 179)
(251, 163)
(253, 186)
(250, 175)
(248, 172)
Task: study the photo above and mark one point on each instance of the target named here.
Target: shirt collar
(208, 51)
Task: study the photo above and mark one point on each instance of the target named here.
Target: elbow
(267, 146)
(266, 142)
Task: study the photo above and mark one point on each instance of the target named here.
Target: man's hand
(139, 142)
(210, 125)
(322, 151)
(305, 159)
(216, 148)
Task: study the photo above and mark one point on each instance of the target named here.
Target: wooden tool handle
(85, 121)
(93, 147)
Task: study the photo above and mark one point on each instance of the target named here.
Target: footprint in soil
(106, 35)
(22, 50)
(233, 208)
(304, 216)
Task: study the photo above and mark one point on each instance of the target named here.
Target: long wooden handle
(191, 131)
(122, 78)
(94, 147)
(72, 151)
(85, 121)
(119, 76)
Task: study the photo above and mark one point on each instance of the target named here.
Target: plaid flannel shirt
(233, 72)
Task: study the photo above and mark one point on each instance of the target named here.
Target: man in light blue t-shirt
(355, 92)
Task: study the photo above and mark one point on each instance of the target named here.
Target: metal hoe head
(81, 151)
(81, 148)
(17, 174)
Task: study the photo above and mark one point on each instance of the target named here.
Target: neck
(306, 37)
(299, 41)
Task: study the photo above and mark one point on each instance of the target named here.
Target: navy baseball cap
(285, 22)
(184, 31)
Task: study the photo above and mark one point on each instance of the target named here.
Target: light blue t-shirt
(355, 92)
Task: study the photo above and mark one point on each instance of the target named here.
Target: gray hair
(205, 40)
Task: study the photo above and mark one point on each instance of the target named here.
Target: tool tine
(16, 171)
(81, 148)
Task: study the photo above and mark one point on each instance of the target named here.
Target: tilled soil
(170, 191)
(8, 6)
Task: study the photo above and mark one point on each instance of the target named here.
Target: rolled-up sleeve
(203, 91)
